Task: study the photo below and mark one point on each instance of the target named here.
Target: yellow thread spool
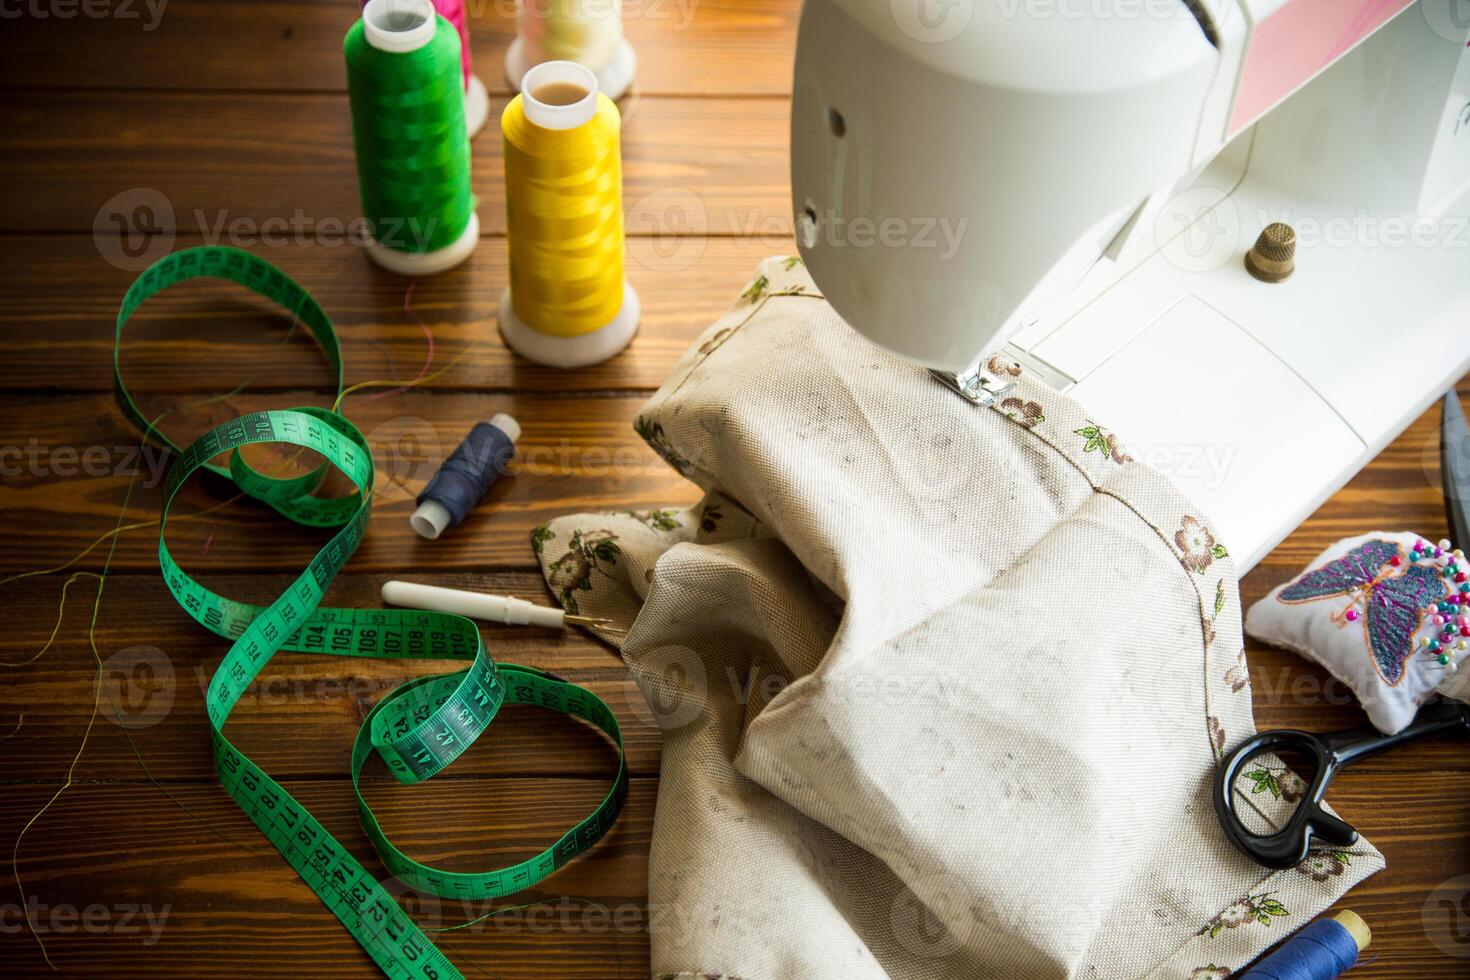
(568, 304)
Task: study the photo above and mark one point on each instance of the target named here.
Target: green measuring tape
(417, 729)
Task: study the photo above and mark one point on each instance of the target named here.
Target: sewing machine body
(1103, 176)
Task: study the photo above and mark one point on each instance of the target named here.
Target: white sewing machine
(1076, 183)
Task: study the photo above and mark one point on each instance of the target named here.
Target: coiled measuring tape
(420, 727)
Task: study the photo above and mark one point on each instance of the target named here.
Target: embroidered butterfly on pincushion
(1394, 604)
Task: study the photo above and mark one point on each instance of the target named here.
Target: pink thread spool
(476, 98)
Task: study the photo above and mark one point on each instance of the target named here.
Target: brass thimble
(1273, 257)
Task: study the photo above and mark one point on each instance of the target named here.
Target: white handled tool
(480, 605)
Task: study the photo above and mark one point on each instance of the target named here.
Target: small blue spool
(466, 475)
(1324, 950)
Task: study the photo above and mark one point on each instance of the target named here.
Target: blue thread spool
(466, 475)
(1324, 950)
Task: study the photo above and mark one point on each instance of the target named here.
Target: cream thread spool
(589, 32)
(561, 280)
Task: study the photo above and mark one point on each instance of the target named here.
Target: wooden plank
(583, 454)
(209, 335)
(230, 906)
(1421, 823)
(235, 908)
(299, 717)
(574, 455)
(267, 164)
(684, 47)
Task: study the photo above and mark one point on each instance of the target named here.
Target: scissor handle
(1310, 821)
(1289, 845)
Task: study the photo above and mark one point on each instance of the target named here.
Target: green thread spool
(413, 155)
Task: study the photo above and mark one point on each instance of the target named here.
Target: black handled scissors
(1331, 752)
(1310, 823)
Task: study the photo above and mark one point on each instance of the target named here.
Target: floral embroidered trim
(572, 572)
(1217, 734)
(1239, 674)
(653, 434)
(1197, 545)
(1322, 865)
(1260, 908)
(1278, 780)
(1003, 365)
(540, 534)
(1211, 972)
(756, 289)
(758, 286)
(1100, 440)
(716, 339)
(659, 520)
(1027, 413)
(756, 293)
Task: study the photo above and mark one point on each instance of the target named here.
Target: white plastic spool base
(429, 263)
(570, 352)
(476, 106)
(613, 79)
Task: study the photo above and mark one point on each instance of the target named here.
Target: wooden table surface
(227, 120)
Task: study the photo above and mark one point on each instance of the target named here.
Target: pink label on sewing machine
(1297, 40)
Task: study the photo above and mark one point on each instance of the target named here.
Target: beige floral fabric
(941, 687)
